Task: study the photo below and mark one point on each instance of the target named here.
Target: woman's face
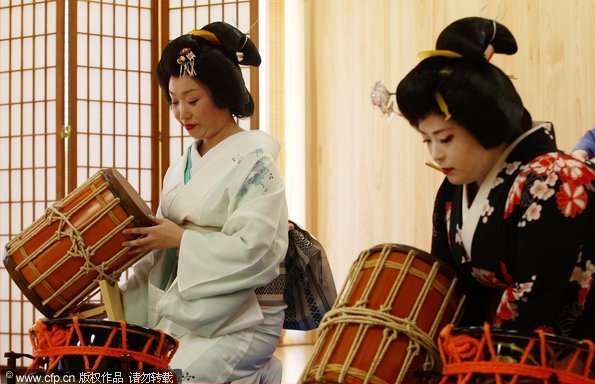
(192, 105)
(462, 158)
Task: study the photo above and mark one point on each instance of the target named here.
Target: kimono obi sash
(267, 296)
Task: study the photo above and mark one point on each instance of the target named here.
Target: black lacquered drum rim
(130, 200)
(108, 323)
(430, 259)
(478, 331)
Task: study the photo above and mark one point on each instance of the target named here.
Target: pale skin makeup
(192, 105)
(460, 156)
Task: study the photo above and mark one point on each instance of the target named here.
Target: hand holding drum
(164, 234)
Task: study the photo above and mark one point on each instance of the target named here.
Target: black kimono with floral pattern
(532, 259)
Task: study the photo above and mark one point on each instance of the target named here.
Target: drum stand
(11, 358)
(112, 300)
(112, 306)
(112, 303)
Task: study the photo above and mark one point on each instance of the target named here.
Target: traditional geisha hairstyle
(458, 81)
(212, 55)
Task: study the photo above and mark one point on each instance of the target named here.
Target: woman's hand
(164, 234)
(581, 154)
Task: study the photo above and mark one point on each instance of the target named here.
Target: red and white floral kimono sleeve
(552, 203)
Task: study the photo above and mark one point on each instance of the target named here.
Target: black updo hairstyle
(480, 97)
(216, 66)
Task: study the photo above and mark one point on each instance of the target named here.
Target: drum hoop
(427, 257)
(107, 323)
(476, 330)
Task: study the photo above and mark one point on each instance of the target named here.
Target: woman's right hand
(164, 234)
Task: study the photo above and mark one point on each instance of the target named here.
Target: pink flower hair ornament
(381, 98)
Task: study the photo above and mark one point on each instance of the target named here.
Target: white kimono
(234, 211)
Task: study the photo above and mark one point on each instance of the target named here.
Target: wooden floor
(294, 359)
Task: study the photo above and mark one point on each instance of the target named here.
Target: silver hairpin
(244, 44)
(239, 53)
(494, 33)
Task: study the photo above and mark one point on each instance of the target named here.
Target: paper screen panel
(111, 108)
(31, 152)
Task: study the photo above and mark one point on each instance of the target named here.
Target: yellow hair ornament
(439, 52)
(442, 105)
(209, 36)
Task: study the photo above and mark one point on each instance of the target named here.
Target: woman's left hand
(581, 154)
(164, 234)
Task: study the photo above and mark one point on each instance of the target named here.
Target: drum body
(70, 346)
(384, 322)
(57, 261)
(483, 355)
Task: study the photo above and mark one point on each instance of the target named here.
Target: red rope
(462, 356)
(101, 352)
(515, 370)
(56, 342)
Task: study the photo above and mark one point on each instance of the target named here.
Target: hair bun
(235, 43)
(472, 36)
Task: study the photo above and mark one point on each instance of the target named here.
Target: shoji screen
(186, 15)
(113, 121)
(31, 149)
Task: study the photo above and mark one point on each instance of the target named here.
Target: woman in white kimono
(515, 216)
(221, 229)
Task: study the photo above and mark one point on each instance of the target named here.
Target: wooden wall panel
(369, 184)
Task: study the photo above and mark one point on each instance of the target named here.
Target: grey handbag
(309, 286)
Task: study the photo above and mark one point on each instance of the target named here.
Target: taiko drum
(72, 345)
(59, 259)
(383, 326)
(485, 355)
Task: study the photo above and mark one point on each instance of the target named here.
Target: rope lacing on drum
(57, 342)
(341, 315)
(366, 318)
(463, 356)
(41, 224)
(78, 248)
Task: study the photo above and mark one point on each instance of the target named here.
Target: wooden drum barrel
(385, 321)
(59, 259)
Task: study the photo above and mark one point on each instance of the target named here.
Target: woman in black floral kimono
(515, 216)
